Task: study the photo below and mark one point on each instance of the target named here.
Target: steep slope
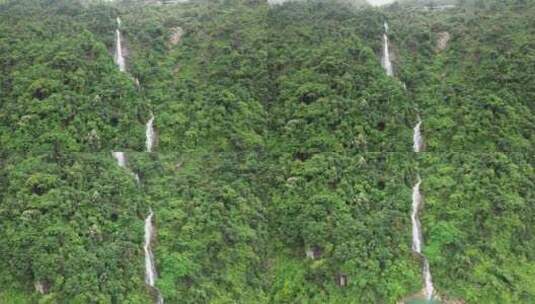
(55, 75)
(71, 229)
(281, 161)
(477, 92)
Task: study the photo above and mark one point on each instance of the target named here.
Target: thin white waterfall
(417, 139)
(119, 58)
(150, 268)
(417, 235)
(149, 132)
(387, 64)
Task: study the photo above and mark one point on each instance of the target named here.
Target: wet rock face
(442, 41)
(176, 35)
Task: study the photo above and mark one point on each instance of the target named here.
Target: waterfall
(387, 64)
(428, 280)
(416, 231)
(119, 59)
(417, 139)
(417, 236)
(149, 132)
(150, 268)
(120, 157)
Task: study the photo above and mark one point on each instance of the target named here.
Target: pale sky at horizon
(380, 2)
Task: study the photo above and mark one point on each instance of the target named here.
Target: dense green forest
(283, 160)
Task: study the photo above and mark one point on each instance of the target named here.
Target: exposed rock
(292, 179)
(442, 41)
(313, 252)
(41, 287)
(341, 279)
(176, 35)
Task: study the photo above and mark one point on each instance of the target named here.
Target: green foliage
(278, 136)
(71, 223)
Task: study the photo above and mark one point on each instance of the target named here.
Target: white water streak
(428, 280)
(121, 158)
(149, 132)
(417, 239)
(417, 138)
(387, 64)
(150, 268)
(119, 58)
(416, 231)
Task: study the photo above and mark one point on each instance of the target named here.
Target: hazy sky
(380, 2)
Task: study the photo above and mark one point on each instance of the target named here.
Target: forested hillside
(268, 157)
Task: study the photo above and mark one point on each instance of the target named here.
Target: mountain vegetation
(284, 161)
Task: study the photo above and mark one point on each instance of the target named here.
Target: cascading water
(417, 236)
(417, 139)
(119, 58)
(150, 268)
(121, 161)
(120, 157)
(149, 132)
(387, 64)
